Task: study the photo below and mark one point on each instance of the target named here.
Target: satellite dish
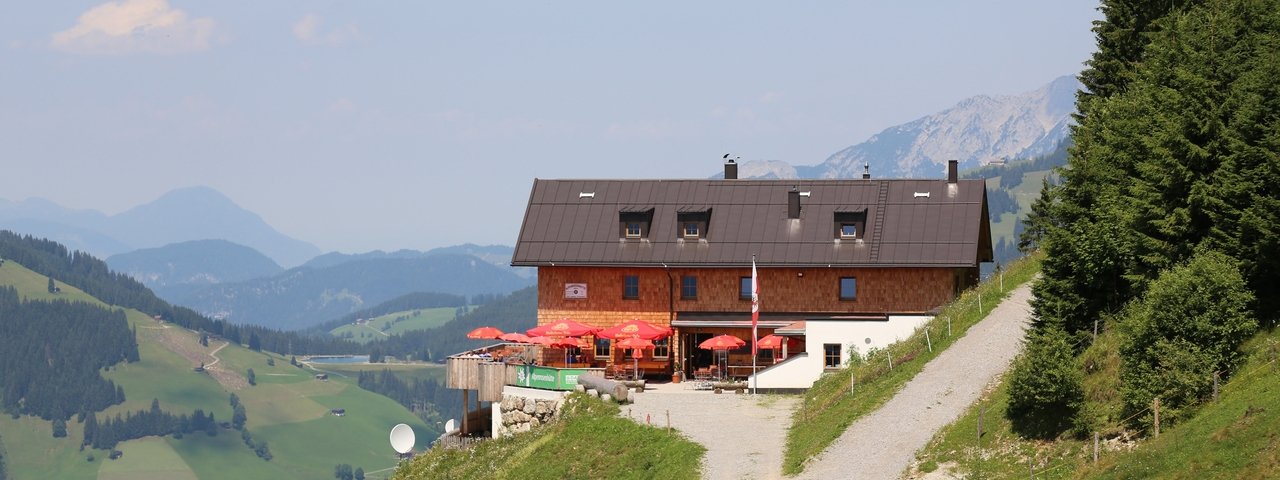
(402, 439)
(450, 426)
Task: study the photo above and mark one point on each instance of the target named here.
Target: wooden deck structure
(487, 370)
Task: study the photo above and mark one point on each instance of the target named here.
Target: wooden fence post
(1155, 408)
(890, 357)
(927, 339)
(1095, 448)
(949, 334)
(982, 412)
(668, 420)
(1215, 386)
(1095, 330)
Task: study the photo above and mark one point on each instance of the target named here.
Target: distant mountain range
(177, 269)
(976, 131)
(498, 255)
(304, 296)
(196, 213)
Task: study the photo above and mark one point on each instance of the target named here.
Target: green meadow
(386, 325)
(288, 408)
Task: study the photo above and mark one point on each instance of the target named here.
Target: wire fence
(1035, 470)
(929, 339)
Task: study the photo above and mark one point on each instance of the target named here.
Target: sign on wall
(575, 290)
(548, 378)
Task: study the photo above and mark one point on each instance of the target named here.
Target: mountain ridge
(183, 214)
(177, 268)
(303, 296)
(976, 131)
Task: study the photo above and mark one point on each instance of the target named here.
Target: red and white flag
(755, 305)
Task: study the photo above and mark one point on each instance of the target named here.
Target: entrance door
(702, 357)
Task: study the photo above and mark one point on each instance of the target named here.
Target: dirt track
(883, 443)
(183, 343)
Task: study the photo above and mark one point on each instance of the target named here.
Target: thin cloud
(309, 30)
(135, 26)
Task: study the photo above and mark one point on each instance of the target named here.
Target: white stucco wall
(801, 372)
(798, 371)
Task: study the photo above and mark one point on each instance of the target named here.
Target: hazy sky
(367, 125)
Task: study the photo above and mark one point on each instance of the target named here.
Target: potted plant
(677, 373)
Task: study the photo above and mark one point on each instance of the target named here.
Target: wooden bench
(738, 387)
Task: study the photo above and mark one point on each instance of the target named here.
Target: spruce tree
(90, 428)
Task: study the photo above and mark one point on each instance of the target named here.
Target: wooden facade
(794, 290)
(660, 299)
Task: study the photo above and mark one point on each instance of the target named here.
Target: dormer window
(850, 225)
(634, 222)
(691, 229)
(848, 230)
(691, 222)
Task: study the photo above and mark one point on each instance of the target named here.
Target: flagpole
(755, 314)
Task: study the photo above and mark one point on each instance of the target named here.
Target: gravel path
(744, 435)
(883, 443)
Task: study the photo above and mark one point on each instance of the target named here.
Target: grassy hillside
(590, 441)
(1234, 437)
(288, 408)
(396, 322)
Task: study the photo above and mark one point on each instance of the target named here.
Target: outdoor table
(742, 371)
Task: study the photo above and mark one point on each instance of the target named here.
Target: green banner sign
(548, 378)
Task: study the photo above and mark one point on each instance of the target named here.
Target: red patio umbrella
(562, 328)
(484, 333)
(635, 344)
(544, 341)
(722, 342)
(557, 342)
(635, 329)
(514, 337)
(771, 342)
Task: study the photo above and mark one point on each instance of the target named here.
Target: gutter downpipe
(671, 308)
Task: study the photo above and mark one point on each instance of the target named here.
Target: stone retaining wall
(518, 413)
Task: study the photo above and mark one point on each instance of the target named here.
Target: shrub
(1045, 390)
(1189, 324)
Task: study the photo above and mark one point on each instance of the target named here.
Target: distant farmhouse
(842, 263)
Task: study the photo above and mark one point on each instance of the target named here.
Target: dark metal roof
(908, 223)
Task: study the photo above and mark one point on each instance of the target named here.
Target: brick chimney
(793, 203)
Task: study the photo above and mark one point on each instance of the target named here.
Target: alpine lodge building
(841, 263)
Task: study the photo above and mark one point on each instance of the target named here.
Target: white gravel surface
(882, 444)
(744, 435)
